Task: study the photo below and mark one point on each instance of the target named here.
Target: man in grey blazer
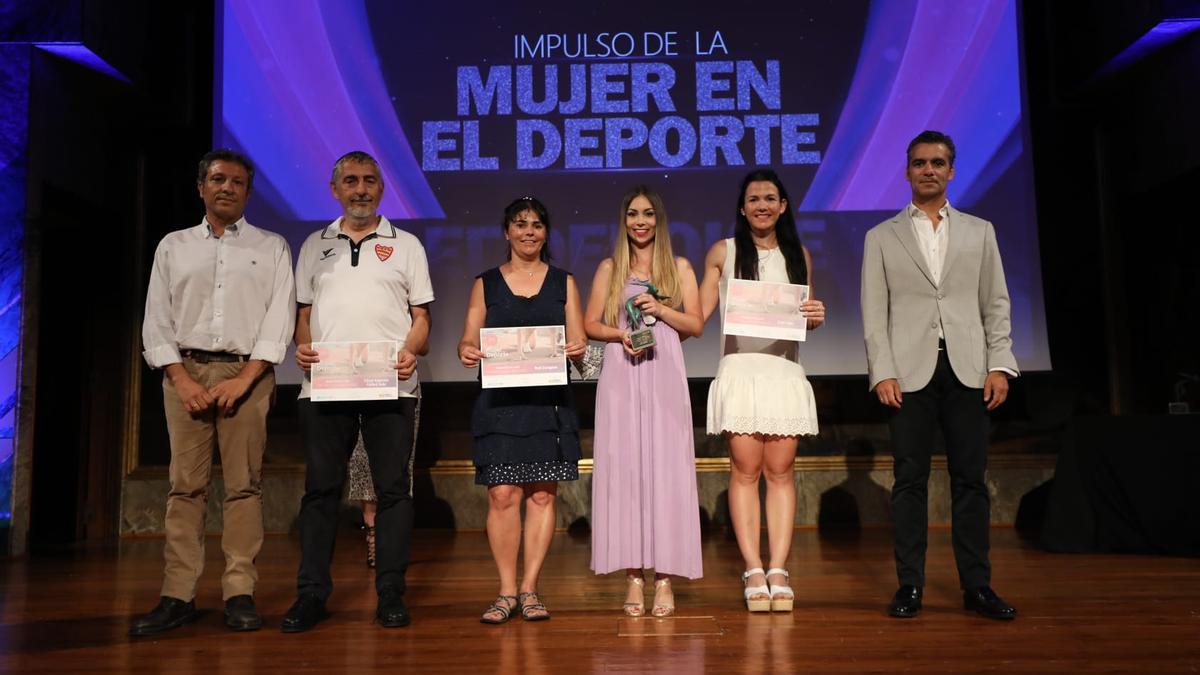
(936, 320)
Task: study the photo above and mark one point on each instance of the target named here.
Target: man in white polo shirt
(359, 279)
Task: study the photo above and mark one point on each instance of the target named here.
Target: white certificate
(765, 309)
(528, 356)
(355, 371)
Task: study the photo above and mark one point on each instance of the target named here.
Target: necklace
(764, 257)
(528, 273)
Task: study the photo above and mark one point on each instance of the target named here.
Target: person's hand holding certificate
(527, 356)
(765, 309)
(355, 371)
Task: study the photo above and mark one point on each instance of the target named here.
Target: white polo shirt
(364, 291)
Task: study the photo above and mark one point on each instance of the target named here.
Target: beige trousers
(241, 437)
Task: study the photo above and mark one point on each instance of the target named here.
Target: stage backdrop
(469, 105)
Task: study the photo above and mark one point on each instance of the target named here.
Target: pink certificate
(765, 309)
(527, 356)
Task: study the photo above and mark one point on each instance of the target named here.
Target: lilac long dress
(644, 507)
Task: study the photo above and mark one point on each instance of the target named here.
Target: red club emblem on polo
(384, 252)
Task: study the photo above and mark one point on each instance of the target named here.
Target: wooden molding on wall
(452, 467)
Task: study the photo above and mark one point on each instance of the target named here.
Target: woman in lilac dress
(644, 506)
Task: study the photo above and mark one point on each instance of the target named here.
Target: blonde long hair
(663, 271)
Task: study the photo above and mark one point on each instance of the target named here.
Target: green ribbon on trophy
(642, 338)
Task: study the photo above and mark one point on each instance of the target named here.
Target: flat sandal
(502, 607)
(530, 610)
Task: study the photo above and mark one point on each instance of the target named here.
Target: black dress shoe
(306, 612)
(240, 613)
(170, 613)
(906, 603)
(391, 612)
(984, 602)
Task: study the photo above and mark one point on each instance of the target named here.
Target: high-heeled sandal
(370, 547)
(532, 608)
(635, 608)
(752, 603)
(663, 609)
(781, 594)
(501, 608)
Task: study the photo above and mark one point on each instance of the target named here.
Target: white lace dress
(760, 386)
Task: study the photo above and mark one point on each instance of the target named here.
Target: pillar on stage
(14, 126)
(28, 30)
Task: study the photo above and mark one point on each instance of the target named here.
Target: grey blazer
(901, 306)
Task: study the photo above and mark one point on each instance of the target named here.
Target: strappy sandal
(635, 608)
(533, 610)
(663, 609)
(500, 611)
(781, 594)
(752, 603)
(370, 547)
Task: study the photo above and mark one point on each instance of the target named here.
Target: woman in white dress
(761, 400)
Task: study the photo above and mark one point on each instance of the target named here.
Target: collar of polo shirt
(385, 229)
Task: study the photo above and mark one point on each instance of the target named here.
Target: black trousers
(962, 415)
(330, 430)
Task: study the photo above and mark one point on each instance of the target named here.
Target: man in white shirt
(359, 279)
(936, 318)
(219, 315)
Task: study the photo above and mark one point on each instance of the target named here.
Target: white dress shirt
(234, 293)
(362, 292)
(933, 242)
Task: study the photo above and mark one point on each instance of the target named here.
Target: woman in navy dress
(526, 438)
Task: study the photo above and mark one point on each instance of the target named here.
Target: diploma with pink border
(765, 309)
(355, 371)
(525, 356)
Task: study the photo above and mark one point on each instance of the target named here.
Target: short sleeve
(304, 288)
(421, 291)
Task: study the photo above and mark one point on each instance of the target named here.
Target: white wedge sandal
(782, 596)
(756, 604)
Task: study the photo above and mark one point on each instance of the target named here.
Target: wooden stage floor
(70, 613)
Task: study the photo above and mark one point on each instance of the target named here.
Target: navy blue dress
(525, 434)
